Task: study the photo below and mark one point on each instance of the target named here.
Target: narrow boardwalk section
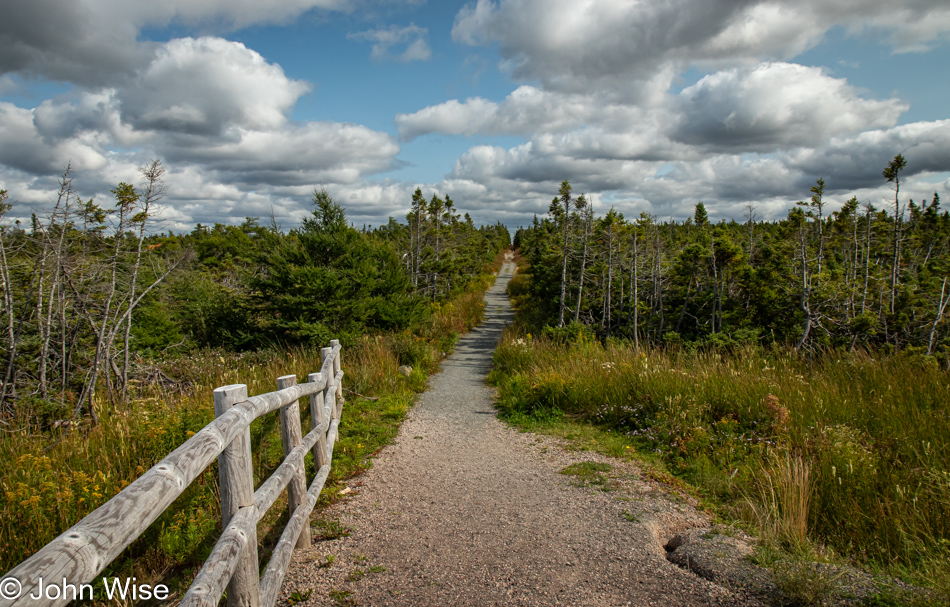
(462, 510)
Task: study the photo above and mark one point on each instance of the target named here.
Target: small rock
(721, 559)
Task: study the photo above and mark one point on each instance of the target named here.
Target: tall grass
(781, 500)
(853, 449)
(51, 478)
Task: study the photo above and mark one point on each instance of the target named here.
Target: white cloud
(573, 45)
(776, 105)
(857, 161)
(396, 43)
(621, 164)
(600, 110)
(215, 111)
(93, 42)
(452, 117)
(234, 13)
(596, 107)
(206, 85)
(526, 110)
(295, 155)
(24, 149)
(770, 107)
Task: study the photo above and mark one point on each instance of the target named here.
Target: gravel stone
(463, 510)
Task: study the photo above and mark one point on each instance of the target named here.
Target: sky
(648, 106)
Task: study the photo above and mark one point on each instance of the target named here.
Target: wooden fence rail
(84, 550)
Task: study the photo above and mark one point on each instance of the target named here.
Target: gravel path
(462, 510)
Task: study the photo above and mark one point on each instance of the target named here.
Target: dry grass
(780, 501)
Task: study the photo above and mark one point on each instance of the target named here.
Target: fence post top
(284, 378)
(230, 389)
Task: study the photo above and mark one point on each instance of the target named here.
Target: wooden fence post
(318, 415)
(236, 477)
(337, 366)
(290, 437)
(329, 391)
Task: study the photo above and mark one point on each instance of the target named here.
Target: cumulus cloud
(528, 109)
(316, 152)
(529, 174)
(776, 105)
(452, 117)
(94, 42)
(215, 111)
(396, 43)
(857, 161)
(572, 45)
(769, 107)
(599, 107)
(201, 99)
(204, 85)
(596, 104)
(24, 149)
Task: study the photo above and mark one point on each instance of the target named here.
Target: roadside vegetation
(827, 436)
(226, 304)
(844, 454)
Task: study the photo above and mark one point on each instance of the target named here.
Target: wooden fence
(82, 552)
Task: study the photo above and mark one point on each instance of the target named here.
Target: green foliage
(341, 282)
(569, 333)
(154, 327)
(299, 597)
(213, 314)
(588, 474)
(815, 279)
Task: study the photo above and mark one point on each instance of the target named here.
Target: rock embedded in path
(724, 560)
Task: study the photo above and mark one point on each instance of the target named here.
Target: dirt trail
(462, 510)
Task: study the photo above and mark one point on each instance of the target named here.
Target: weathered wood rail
(84, 550)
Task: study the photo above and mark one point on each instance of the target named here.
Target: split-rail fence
(84, 550)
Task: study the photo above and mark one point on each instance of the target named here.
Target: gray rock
(723, 559)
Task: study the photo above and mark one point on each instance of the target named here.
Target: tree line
(861, 276)
(91, 294)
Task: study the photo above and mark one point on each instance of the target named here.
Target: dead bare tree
(153, 191)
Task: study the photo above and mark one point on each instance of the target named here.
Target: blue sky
(644, 105)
